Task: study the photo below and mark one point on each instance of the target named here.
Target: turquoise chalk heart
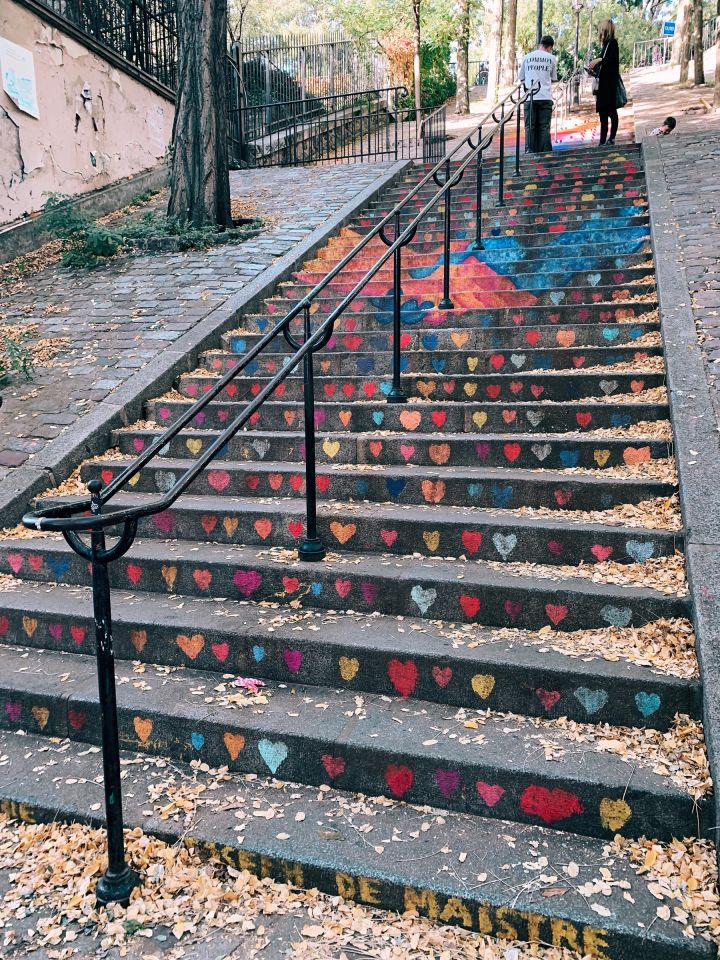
(423, 598)
(316, 589)
(592, 700)
(197, 740)
(611, 333)
(258, 653)
(474, 489)
(647, 703)
(616, 616)
(272, 753)
(640, 551)
(378, 417)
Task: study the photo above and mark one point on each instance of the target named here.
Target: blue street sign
(669, 28)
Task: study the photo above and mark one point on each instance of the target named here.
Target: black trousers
(612, 117)
(537, 126)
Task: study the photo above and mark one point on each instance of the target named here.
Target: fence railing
(477, 73)
(366, 125)
(89, 515)
(652, 53)
(570, 92)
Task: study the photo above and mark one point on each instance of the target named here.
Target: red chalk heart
(403, 676)
(399, 779)
(334, 766)
(442, 676)
(471, 540)
(490, 793)
(76, 719)
(470, 605)
(221, 651)
(550, 805)
(556, 612)
(548, 698)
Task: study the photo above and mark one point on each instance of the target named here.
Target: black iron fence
(366, 125)
(649, 53)
(143, 32)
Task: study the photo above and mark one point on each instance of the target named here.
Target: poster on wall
(18, 76)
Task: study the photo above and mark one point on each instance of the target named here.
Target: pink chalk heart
(221, 651)
(555, 548)
(218, 479)
(293, 659)
(442, 676)
(191, 389)
(513, 608)
(164, 521)
(222, 415)
(138, 444)
(247, 581)
(14, 711)
(320, 417)
(389, 537)
(548, 698)
(369, 591)
(55, 631)
(164, 413)
(448, 781)
(343, 588)
(15, 561)
(407, 450)
(600, 553)
(490, 793)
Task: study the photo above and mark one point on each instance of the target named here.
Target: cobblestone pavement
(118, 317)
(691, 160)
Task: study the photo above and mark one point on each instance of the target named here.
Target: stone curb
(697, 446)
(91, 436)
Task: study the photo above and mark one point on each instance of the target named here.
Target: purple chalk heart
(369, 591)
(164, 521)
(55, 631)
(14, 711)
(293, 659)
(199, 418)
(482, 450)
(302, 450)
(320, 417)
(448, 781)
(247, 581)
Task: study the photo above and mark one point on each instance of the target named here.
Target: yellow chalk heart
(169, 574)
(349, 667)
(470, 389)
(331, 448)
(432, 539)
(459, 339)
(601, 457)
(230, 524)
(472, 363)
(588, 196)
(483, 684)
(42, 715)
(194, 446)
(133, 480)
(425, 389)
(614, 814)
(29, 625)
(480, 419)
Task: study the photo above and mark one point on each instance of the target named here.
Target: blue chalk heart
(238, 345)
(474, 489)
(640, 551)
(272, 753)
(429, 341)
(362, 487)
(258, 652)
(620, 420)
(404, 363)
(635, 333)
(252, 368)
(496, 341)
(222, 452)
(262, 325)
(380, 343)
(386, 388)
(485, 322)
(439, 365)
(378, 417)
(365, 364)
(543, 363)
(58, 565)
(592, 700)
(611, 333)
(616, 616)
(197, 740)
(501, 495)
(395, 486)
(647, 703)
(569, 458)
(606, 500)
(316, 589)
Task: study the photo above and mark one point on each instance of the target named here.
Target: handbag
(621, 97)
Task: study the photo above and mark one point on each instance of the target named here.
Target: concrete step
(417, 753)
(431, 588)
(359, 653)
(461, 417)
(331, 854)
(488, 487)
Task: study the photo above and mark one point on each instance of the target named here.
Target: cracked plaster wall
(97, 124)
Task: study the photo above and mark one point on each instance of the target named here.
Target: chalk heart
(591, 700)
(433, 490)
(480, 419)
(442, 676)
(410, 419)
(423, 598)
(331, 448)
(258, 653)
(600, 552)
(432, 539)
(134, 573)
(483, 684)
(399, 779)
(639, 551)
(41, 715)
(138, 638)
(556, 612)
(234, 744)
(548, 698)
(247, 581)
(194, 446)
(616, 616)
(231, 524)
(202, 578)
(14, 711)
(191, 646)
(448, 782)
(143, 728)
(614, 814)
(550, 805)
(334, 766)
(197, 740)
(647, 703)
(293, 659)
(504, 543)
(635, 455)
(489, 793)
(273, 753)
(349, 667)
(439, 453)
(403, 676)
(29, 625)
(343, 532)
(169, 575)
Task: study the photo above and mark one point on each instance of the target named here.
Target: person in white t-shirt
(539, 67)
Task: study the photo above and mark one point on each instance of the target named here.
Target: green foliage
(14, 356)
(436, 81)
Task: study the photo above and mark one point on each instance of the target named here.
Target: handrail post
(478, 245)
(501, 171)
(446, 303)
(397, 394)
(118, 881)
(311, 549)
(518, 111)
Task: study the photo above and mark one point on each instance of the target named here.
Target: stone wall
(97, 125)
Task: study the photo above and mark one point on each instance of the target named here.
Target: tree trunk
(200, 182)
(680, 20)
(462, 100)
(496, 25)
(716, 99)
(416, 55)
(698, 65)
(508, 71)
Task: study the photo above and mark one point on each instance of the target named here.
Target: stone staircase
(476, 648)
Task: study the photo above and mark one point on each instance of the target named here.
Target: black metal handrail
(71, 517)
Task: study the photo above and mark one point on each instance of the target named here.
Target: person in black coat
(607, 69)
